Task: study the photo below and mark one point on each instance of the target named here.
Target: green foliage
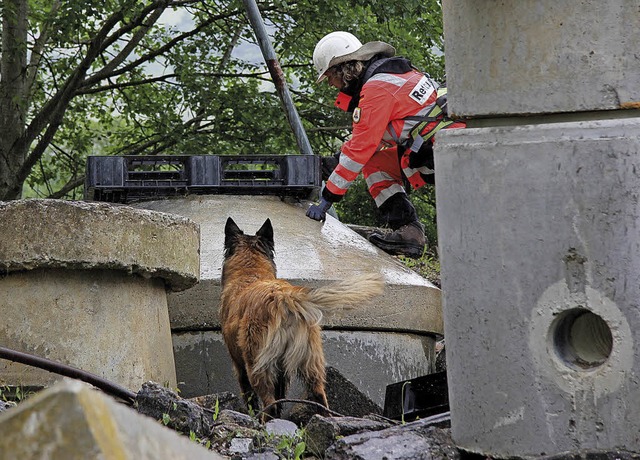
(424, 200)
(216, 410)
(290, 447)
(427, 266)
(179, 91)
(299, 450)
(16, 394)
(357, 206)
(201, 87)
(203, 442)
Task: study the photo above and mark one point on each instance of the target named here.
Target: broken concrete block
(545, 259)
(182, 415)
(412, 441)
(73, 421)
(321, 431)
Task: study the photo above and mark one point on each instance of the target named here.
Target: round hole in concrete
(581, 338)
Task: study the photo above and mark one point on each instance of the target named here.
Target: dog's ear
(230, 228)
(266, 231)
(231, 234)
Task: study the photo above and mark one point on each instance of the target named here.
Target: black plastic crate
(125, 179)
(421, 397)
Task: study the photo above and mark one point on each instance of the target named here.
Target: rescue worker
(396, 111)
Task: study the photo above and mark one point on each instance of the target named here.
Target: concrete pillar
(389, 340)
(519, 57)
(85, 284)
(538, 218)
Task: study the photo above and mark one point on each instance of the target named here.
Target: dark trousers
(398, 211)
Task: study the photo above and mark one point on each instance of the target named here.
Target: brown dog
(272, 328)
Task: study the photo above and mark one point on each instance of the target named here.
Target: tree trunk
(13, 97)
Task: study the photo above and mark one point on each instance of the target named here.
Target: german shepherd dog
(271, 327)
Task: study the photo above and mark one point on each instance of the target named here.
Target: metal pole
(277, 75)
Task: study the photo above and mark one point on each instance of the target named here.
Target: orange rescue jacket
(390, 106)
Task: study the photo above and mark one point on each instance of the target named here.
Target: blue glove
(319, 211)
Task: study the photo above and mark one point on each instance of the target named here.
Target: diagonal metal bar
(255, 18)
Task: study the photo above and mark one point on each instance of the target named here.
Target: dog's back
(271, 327)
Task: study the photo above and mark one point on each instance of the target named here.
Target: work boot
(408, 240)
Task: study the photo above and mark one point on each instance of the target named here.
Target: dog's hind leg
(248, 395)
(315, 384)
(314, 372)
(264, 387)
(282, 385)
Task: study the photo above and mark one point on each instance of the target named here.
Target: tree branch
(74, 182)
(167, 139)
(154, 11)
(37, 51)
(102, 74)
(52, 113)
(129, 84)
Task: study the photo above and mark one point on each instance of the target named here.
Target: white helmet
(338, 47)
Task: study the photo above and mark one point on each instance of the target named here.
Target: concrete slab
(541, 274)
(72, 421)
(101, 321)
(541, 56)
(81, 235)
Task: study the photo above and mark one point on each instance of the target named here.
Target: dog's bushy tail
(288, 339)
(346, 294)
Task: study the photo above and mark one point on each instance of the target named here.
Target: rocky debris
(321, 431)
(219, 401)
(594, 455)
(4, 405)
(177, 413)
(345, 399)
(235, 435)
(72, 420)
(412, 441)
(240, 436)
(280, 427)
(217, 426)
(343, 394)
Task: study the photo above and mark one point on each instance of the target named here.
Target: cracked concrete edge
(44, 233)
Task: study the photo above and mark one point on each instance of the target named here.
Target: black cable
(69, 371)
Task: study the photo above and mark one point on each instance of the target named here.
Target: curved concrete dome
(388, 340)
(307, 252)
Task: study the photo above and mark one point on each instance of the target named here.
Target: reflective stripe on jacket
(384, 118)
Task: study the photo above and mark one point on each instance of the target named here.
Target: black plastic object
(124, 179)
(417, 398)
